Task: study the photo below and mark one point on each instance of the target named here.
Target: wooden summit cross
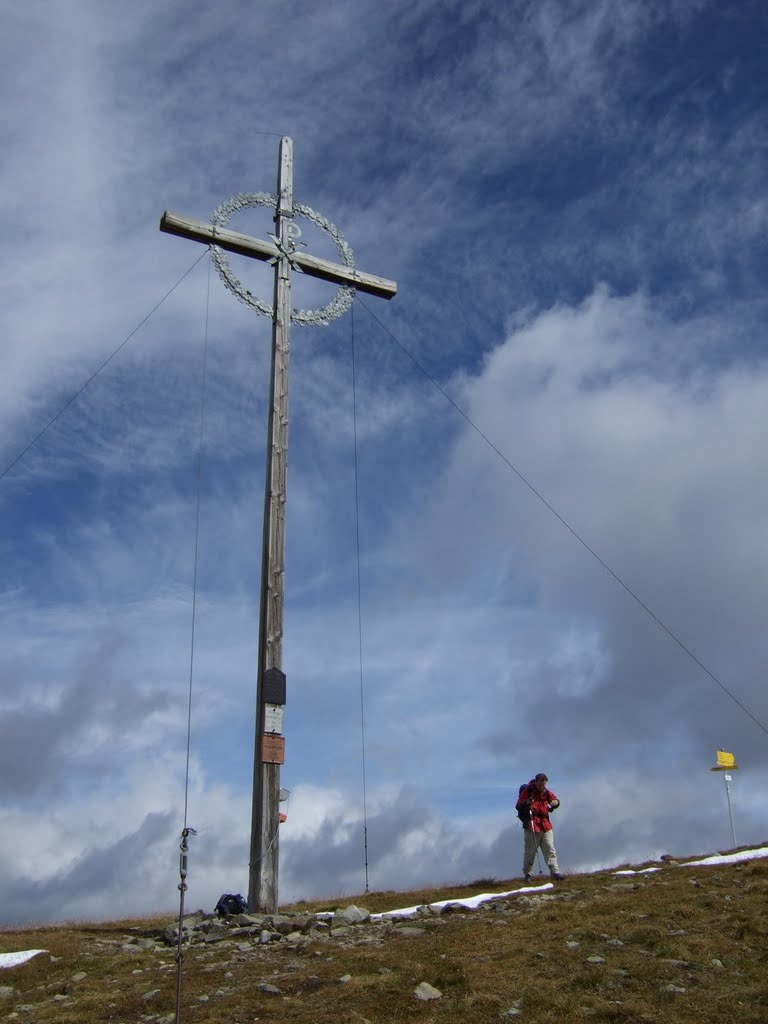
(270, 681)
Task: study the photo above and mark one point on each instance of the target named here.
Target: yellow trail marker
(725, 761)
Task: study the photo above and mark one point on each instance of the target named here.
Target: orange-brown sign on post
(272, 748)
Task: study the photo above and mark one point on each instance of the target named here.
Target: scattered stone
(572, 944)
(7, 991)
(614, 942)
(345, 978)
(352, 915)
(270, 990)
(425, 991)
(674, 988)
(299, 929)
(515, 1009)
(717, 964)
(453, 908)
(152, 994)
(595, 959)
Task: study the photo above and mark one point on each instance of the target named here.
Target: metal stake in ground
(283, 253)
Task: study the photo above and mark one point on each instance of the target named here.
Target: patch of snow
(14, 959)
(471, 902)
(718, 858)
(727, 858)
(632, 871)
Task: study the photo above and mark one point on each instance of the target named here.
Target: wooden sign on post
(272, 748)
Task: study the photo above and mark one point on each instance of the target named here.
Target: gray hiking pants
(544, 841)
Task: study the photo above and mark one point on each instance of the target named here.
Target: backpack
(523, 813)
(231, 903)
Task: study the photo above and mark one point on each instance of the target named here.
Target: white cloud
(500, 165)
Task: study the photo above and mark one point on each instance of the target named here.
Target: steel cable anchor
(182, 887)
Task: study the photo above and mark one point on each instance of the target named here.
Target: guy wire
(96, 373)
(359, 598)
(564, 522)
(197, 539)
(186, 830)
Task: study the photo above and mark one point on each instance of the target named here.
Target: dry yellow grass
(682, 945)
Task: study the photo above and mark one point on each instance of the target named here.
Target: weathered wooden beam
(256, 248)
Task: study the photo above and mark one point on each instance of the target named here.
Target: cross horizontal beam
(245, 245)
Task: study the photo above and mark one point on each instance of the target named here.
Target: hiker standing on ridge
(533, 806)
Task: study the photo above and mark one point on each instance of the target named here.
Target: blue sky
(572, 200)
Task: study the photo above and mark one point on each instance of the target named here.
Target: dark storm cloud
(104, 881)
(92, 706)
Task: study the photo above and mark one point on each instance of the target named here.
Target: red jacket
(540, 804)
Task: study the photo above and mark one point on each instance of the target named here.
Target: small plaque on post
(273, 718)
(273, 749)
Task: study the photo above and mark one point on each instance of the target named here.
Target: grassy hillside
(679, 945)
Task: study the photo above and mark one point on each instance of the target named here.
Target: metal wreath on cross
(321, 316)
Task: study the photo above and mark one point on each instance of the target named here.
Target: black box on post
(273, 687)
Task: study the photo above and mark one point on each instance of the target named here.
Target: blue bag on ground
(231, 903)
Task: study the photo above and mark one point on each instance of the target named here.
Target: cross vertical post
(270, 679)
(265, 813)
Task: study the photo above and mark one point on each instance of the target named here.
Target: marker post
(726, 763)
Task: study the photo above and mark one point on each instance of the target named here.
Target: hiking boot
(527, 876)
(556, 876)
